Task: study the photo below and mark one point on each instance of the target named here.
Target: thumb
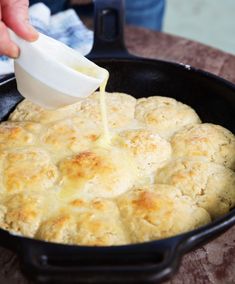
(15, 15)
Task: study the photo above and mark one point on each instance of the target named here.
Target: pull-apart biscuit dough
(165, 115)
(212, 186)
(161, 173)
(208, 140)
(158, 212)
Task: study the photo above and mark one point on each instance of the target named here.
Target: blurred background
(208, 21)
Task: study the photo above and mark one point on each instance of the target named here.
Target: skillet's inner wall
(9, 98)
(212, 99)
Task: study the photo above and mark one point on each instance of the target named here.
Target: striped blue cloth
(65, 26)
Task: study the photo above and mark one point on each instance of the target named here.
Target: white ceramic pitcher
(51, 74)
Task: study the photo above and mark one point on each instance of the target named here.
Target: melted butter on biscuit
(100, 173)
(90, 173)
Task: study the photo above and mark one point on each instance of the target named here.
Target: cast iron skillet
(214, 100)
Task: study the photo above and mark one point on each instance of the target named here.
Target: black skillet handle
(51, 263)
(109, 30)
(215, 229)
(5, 78)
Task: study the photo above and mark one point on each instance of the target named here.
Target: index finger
(15, 15)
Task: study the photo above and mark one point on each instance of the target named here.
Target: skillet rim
(184, 67)
(176, 246)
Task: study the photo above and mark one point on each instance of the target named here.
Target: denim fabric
(145, 13)
(54, 5)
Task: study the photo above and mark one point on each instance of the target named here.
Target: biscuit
(60, 228)
(22, 213)
(159, 211)
(17, 134)
(28, 111)
(94, 223)
(120, 109)
(28, 168)
(100, 173)
(214, 142)
(209, 184)
(165, 115)
(65, 137)
(149, 150)
(99, 224)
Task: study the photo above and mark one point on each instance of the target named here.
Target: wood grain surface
(211, 263)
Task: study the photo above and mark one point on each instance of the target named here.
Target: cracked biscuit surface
(93, 222)
(26, 169)
(212, 186)
(159, 211)
(214, 142)
(28, 111)
(21, 213)
(165, 115)
(64, 137)
(120, 109)
(17, 134)
(149, 150)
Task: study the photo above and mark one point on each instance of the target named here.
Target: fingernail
(15, 52)
(33, 32)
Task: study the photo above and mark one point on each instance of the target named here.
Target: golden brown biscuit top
(25, 169)
(120, 109)
(213, 142)
(157, 211)
(210, 185)
(94, 222)
(165, 115)
(103, 173)
(28, 111)
(17, 134)
(148, 148)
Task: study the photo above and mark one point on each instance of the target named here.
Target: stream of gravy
(104, 140)
(105, 137)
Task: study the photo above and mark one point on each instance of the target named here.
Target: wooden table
(214, 262)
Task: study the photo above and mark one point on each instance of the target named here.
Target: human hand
(14, 15)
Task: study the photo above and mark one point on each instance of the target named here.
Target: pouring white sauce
(52, 75)
(45, 74)
(105, 138)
